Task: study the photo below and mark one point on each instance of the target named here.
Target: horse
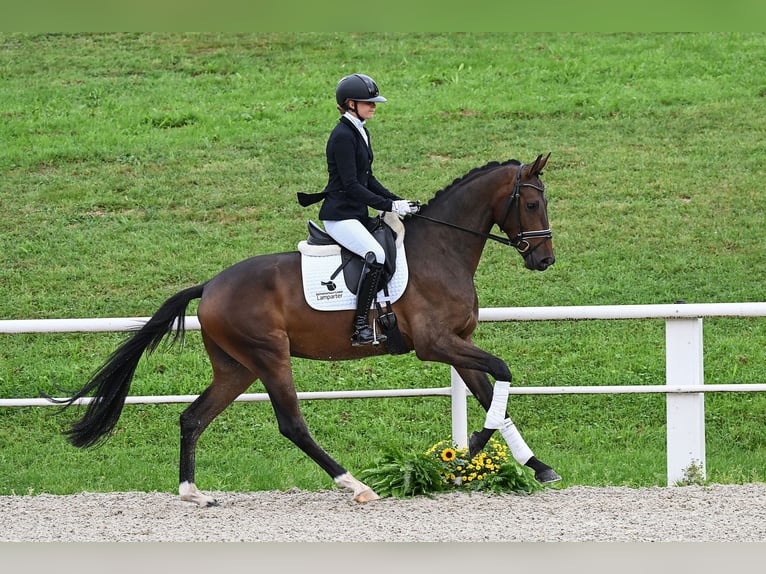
(253, 319)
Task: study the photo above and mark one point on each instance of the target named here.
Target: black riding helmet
(357, 87)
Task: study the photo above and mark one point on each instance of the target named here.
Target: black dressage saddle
(352, 264)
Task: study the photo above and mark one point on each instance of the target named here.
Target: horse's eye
(531, 206)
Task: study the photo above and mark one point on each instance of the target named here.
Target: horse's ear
(539, 163)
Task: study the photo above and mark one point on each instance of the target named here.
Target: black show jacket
(351, 186)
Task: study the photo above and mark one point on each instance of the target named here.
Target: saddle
(352, 264)
(322, 260)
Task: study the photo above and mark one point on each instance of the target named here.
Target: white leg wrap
(519, 449)
(496, 412)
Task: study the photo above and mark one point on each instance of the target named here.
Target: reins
(503, 240)
(520, 240)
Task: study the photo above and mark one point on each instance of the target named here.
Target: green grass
(134, 165)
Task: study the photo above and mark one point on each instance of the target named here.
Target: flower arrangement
(456, 468)
(445, 467)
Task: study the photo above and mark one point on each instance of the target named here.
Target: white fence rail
(684, 384)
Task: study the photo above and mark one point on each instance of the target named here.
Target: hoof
(189, 493)
(547, 476)
(366, 496)
(201, 501)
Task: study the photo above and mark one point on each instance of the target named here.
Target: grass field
(134, 165)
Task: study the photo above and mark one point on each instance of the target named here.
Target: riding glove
(404, 207)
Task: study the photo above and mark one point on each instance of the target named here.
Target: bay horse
(254, 317)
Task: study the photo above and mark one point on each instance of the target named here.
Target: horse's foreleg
(494, 400)
(481, 388)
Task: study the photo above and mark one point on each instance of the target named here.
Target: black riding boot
(363, 333)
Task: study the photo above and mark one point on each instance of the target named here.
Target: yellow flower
(459, 469)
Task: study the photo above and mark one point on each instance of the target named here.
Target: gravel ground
(716, 513)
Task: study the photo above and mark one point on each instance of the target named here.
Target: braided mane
(472, 174)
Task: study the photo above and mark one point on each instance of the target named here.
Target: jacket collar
(351, 125)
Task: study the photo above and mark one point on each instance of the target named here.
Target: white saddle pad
(325, 294)
(319, 262)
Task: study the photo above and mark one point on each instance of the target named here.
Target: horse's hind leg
(278, 379)
(293, 426)
(230, 379)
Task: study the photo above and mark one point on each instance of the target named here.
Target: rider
(352, 189)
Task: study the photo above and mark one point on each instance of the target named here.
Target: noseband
(520, 240)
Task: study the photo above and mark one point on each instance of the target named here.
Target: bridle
(520, 240)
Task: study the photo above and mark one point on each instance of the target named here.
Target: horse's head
(522, 213)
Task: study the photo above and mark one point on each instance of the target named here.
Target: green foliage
(135, 165)
(693, 475)
(445, 467)
(396, 474)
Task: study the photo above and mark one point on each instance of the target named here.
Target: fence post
(459, 394)
(685, 411)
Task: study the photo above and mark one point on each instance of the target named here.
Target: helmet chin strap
(354, 110)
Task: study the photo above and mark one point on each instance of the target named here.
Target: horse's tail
(111, 381)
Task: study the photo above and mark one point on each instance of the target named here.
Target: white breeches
(353, 235)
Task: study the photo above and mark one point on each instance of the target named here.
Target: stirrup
(366, 336)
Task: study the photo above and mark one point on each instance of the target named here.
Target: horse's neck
(468, 212)
(469, 204)
(469, 207)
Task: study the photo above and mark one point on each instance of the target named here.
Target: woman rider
(352, 189)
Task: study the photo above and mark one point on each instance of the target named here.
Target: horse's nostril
(546, 262)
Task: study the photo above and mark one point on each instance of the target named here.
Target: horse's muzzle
(539, 264)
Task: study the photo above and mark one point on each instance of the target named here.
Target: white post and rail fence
(684, 381)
